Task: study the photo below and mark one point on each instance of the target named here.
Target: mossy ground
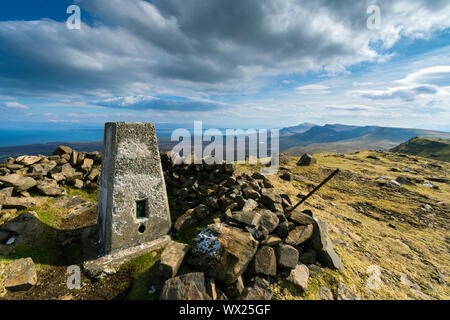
(370, 225)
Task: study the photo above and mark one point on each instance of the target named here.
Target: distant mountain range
(303, 138)
(344, 138)
(433, 148)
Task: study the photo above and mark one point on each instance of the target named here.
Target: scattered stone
(325, 293)
(269, 198)
(190, 286)
(249, 218)
(287, 176)
(345, 293)
(20, 275)
(299, 277)
(250, 205)
(306, 160)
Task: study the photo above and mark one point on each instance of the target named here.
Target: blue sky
(270, 63)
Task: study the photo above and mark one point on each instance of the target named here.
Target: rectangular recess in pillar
(141, 209)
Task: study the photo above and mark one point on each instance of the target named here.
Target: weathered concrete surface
(111, 263)
(131, 171)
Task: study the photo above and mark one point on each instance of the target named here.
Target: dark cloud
(140, 47)
(153, 103)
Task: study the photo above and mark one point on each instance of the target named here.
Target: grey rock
(325, 293)
(265, 262)
(223, 252)
(249, 218)
(234, 289)
(259, 291)
(172, 257)
(299, 277)
(26, 227)
(269, 198)
(190, 286)
(272, 241)
(306, 160)
(49, 188)
(269, 220)
(20, 275)
(23, 203)
(18, 182)
(63, 150)
(287, 256)
(299, 235)
(345, 293)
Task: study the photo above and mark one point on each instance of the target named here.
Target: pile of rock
(255, 237)
(44, 175)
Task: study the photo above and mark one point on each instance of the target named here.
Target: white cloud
(13, 105)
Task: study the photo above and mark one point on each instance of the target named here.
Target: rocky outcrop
(186, 287)
(20, 275)
(306, 160)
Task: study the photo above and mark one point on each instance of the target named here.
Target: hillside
(432, 148)
(342, 138)
(387, 215)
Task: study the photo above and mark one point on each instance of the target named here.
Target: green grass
(432, 148)
(140, 270)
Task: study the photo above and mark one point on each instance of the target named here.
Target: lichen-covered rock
(63, 150)
(25, 227)
(299, 277)
(171, 258)
(28, 160)
(22, 203)
(269, 198)
(259, 291)
(265, 262)
(322, 245)
(300, 217)
(223, 252)
(20, 275)
(306, 160)
(287, 256)
(20, 183)
(269, 220)
(49, 188)
(190, 286)
(299, 235)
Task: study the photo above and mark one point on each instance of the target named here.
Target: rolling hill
(432, 148)
(345, 139)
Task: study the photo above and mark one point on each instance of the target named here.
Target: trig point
(133, 211)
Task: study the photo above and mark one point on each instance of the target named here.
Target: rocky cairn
(255, 238)
(250, 239)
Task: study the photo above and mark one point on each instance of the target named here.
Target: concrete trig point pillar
(133, 211)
